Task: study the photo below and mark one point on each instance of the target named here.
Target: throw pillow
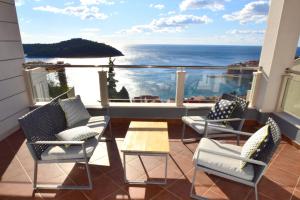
(76, 134)
(255, 144)
(74, 110)
(273, 141)
(222, 109)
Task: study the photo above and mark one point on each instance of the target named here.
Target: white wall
(13, 96)
(278, 52)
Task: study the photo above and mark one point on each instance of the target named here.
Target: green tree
(111, 81)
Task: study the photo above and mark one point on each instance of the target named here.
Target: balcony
(154, 93)
(281, 180)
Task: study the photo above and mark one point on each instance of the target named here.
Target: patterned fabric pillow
(74, 110)
(76, 134)
(274, 130)
(255, 144)
(222, 109)
(274, 139)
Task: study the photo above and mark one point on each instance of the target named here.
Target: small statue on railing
(111, 62)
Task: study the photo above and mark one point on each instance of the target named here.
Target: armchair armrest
(57, 142)
(224, 120)
(252, 161)
(231, 131)
(188, 109)
(81, 143)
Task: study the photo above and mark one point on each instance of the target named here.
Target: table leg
(166, 168)
(124, 163)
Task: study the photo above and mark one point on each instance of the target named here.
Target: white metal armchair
(223, 160)
(204, 126)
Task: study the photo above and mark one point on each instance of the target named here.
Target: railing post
(254, 87)
(180, 78)
(103, 88)
(284, 84)
(29, 86)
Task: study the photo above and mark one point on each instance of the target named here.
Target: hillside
(73, 48)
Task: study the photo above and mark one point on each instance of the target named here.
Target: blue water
(161, 82)
(189, 55)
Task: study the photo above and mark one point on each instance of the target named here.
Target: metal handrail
(291, 71)
(49, 65)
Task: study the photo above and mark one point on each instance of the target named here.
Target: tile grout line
(119, 187)
(23, 168)
(271, 163)
(166, 190)
(63, 171)
(276, 156)
(286, 171)
(248, 194)
(298, 181)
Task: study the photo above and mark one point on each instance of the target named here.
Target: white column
(278, 52)
(180, 78)
(29, 86)
(103, 88)
(254, 88)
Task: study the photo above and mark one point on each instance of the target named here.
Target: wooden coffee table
(146, 139)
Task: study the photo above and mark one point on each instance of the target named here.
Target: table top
(147, 137)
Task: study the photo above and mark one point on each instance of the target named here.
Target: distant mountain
(73, 48)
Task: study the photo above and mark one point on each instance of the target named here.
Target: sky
(122, 22)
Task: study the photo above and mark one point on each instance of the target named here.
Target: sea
(200, 81)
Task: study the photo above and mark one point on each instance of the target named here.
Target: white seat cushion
(223, 164)
(71, 152)
(97, 123)
(198, 122)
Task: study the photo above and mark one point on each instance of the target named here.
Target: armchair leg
(35, 174)
(89, 174)
(192, 195)
(110, 134)
(183, 132)
(60, 186)
(256, 192)
(110, 130)
(238, 140)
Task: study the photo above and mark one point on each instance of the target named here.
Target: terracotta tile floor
(281, 182)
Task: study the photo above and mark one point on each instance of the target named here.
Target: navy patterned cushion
(274, 130)
(222, 109)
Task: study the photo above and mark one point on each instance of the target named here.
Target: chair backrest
(268, 151)
(42, 124)
(239, 111)
(274, 141)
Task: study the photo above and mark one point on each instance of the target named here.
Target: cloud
(84, 12)
(213, 5)
(97, 2)
(175, 23)
(245, 32)
(19, 2)
(255, 11)
(157, 6)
